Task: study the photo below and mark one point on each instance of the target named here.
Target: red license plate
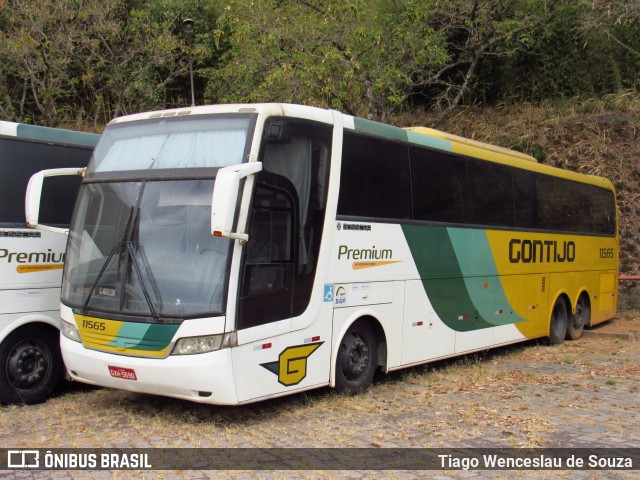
(126, 373)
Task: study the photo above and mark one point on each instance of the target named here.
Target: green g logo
(291, 367)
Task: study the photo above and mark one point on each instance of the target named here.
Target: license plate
(126, 373)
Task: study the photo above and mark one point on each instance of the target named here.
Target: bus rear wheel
(559, 321)
(578, 320)
(357, 359)
(30, 366)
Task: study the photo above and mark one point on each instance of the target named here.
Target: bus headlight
(204, 344)
(191, 345)
(70, 331)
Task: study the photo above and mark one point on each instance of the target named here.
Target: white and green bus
(233, 253)
(31, 261)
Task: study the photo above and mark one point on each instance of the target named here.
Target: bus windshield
(178, 142)
(144, 248)
(140, 243)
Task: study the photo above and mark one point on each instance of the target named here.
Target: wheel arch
(574, 296)
(378, 330)
(31, 321)
(583, 293)
(566, 298)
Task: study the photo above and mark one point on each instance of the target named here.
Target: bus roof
(472, 143)
(48, 135)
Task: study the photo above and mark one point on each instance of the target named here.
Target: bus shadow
(69, 388)
(478, 358)
(185, 412)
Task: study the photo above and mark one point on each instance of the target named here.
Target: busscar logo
(23, 459)
(354, 227)
(19, 233)
(291, 366)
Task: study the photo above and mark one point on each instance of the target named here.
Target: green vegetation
(80, 63)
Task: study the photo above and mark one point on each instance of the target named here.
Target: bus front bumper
(203, 378)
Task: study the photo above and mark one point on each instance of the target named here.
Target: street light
(188, 27)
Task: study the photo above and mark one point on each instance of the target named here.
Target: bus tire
(357, 359)
(578, 320)
(559, 321)
(30, 365)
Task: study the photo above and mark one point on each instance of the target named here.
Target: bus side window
(524, 185)
(375, 179)
(439, 183)
(270, 227)
(490, 194)
(268, 276)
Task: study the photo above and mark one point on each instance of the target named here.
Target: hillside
(600, 137)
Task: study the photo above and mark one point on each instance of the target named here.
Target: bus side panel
(600, 287)
(466, 291)
(483, 283)
(30, 300)
(371, 263)
(607, 300)
(526, 298)
(284, 363)
(424, 335)
(381, 302)
(31, 259)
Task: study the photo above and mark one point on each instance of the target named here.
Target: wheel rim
(354, 356)
(28, 365)
(578, 320)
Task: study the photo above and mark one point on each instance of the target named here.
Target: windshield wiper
(126, 244)
(145, 292)
(116, 246)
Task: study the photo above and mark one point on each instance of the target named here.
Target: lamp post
(188, 27)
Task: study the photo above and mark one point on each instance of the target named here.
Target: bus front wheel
(559, 322)
(30, 365)
(357, 359)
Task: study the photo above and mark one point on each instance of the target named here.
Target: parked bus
(31, 260)
(233, 253)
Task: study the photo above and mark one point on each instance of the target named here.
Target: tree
(72, 62)
(354, 55)
(580, 51)
(478, 30)
(609, 15)
(368, 58)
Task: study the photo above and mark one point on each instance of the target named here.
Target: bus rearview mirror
(225, 195)
(34, 195)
